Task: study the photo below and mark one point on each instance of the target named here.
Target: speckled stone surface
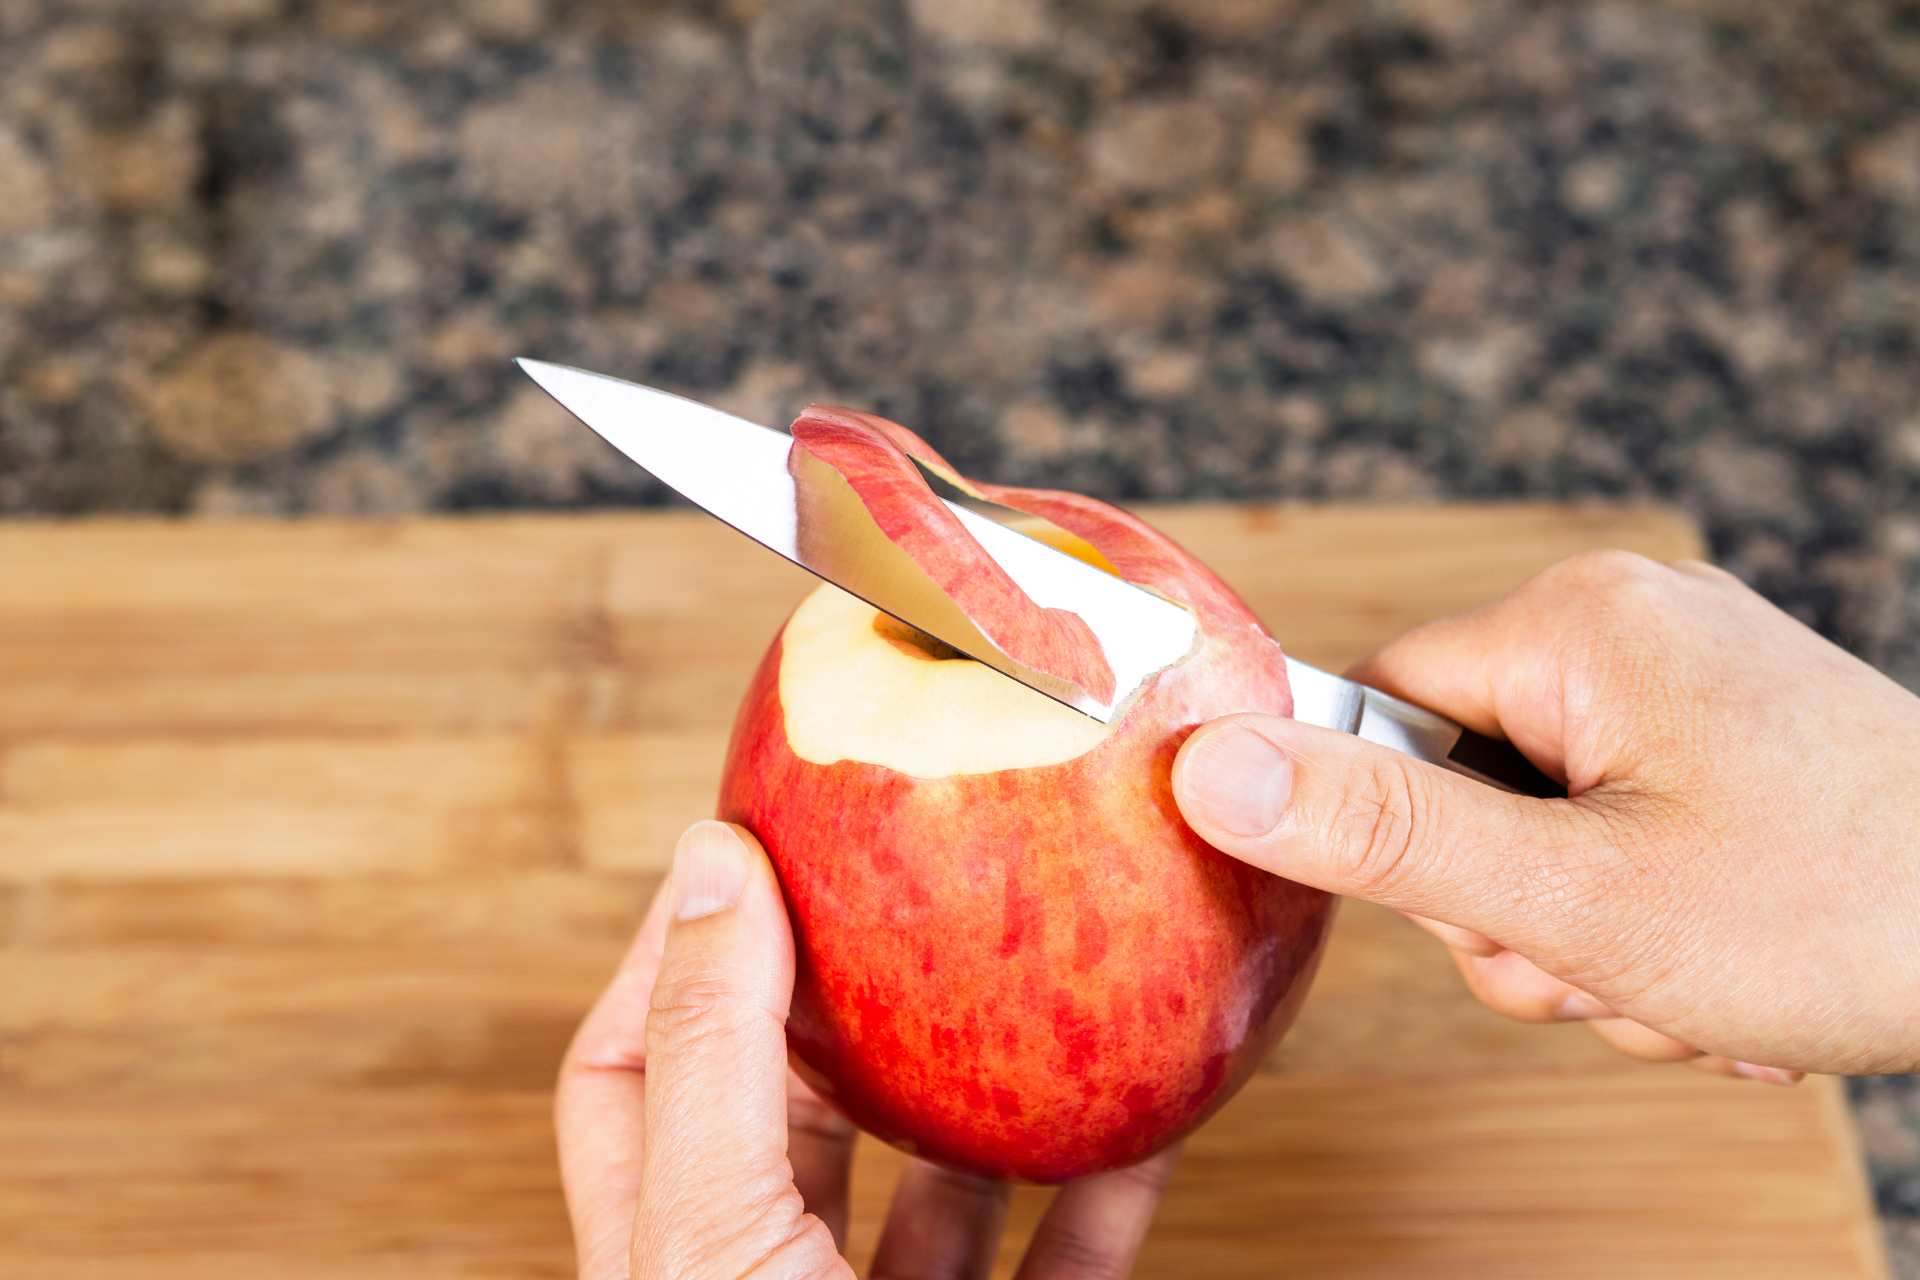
(272, 257)
(1887, 1110)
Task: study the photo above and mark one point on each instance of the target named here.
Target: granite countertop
(272, 257)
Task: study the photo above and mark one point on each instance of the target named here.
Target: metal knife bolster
(1336, 703)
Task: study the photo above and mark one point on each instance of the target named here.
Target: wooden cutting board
(316, 839)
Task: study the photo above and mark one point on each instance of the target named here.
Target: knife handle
(1500, 763)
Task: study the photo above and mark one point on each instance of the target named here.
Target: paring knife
(739, 471)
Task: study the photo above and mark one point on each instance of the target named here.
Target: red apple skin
(1053, 641)
(1039, 973)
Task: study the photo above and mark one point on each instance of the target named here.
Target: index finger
(1509, 668)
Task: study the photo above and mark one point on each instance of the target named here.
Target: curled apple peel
(871, 461)
(1012, 955)
(1132, 548)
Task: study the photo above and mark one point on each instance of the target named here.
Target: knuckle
(1707, 573)
(1150, 1177)
(1607, 581)
(1079, 1253)
(1623, 583)
(1377, 828)
(1642, 1042)
(1513, 986)
(1606, 568)
(806, 1113)
(691, 1009)
(968, 1186)
(1615, 630)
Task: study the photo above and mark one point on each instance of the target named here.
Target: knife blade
(751, 478)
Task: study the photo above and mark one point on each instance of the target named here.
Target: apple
(1013, 956)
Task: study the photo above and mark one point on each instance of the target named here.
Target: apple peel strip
(1055, 642)
(1139, 553)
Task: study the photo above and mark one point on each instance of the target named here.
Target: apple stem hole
(913, 641)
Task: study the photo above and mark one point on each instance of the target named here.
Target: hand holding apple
(1735, 879)
(688, 1148)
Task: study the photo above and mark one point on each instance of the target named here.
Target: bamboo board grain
(316, 839)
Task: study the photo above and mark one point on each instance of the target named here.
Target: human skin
(1734, 878)
(688, 1148)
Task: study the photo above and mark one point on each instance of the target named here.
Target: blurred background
(271, 257)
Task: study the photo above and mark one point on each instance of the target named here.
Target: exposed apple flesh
(1014, 957)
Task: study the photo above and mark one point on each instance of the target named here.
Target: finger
(1746, 1070)
(1485, 669)
(1644, 1043)
(820, 1149)
(1464, 941)
(717, 1195)
(1502, 669)
(1343, 814)
(599, 1107)
(1507, 982)
(1094, 1228)
(942, 1226)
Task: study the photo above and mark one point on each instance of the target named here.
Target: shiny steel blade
(806, 512)
(1334, 702)
(725, 465)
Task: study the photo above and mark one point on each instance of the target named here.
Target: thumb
(717, 1194)
(1337, 812)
